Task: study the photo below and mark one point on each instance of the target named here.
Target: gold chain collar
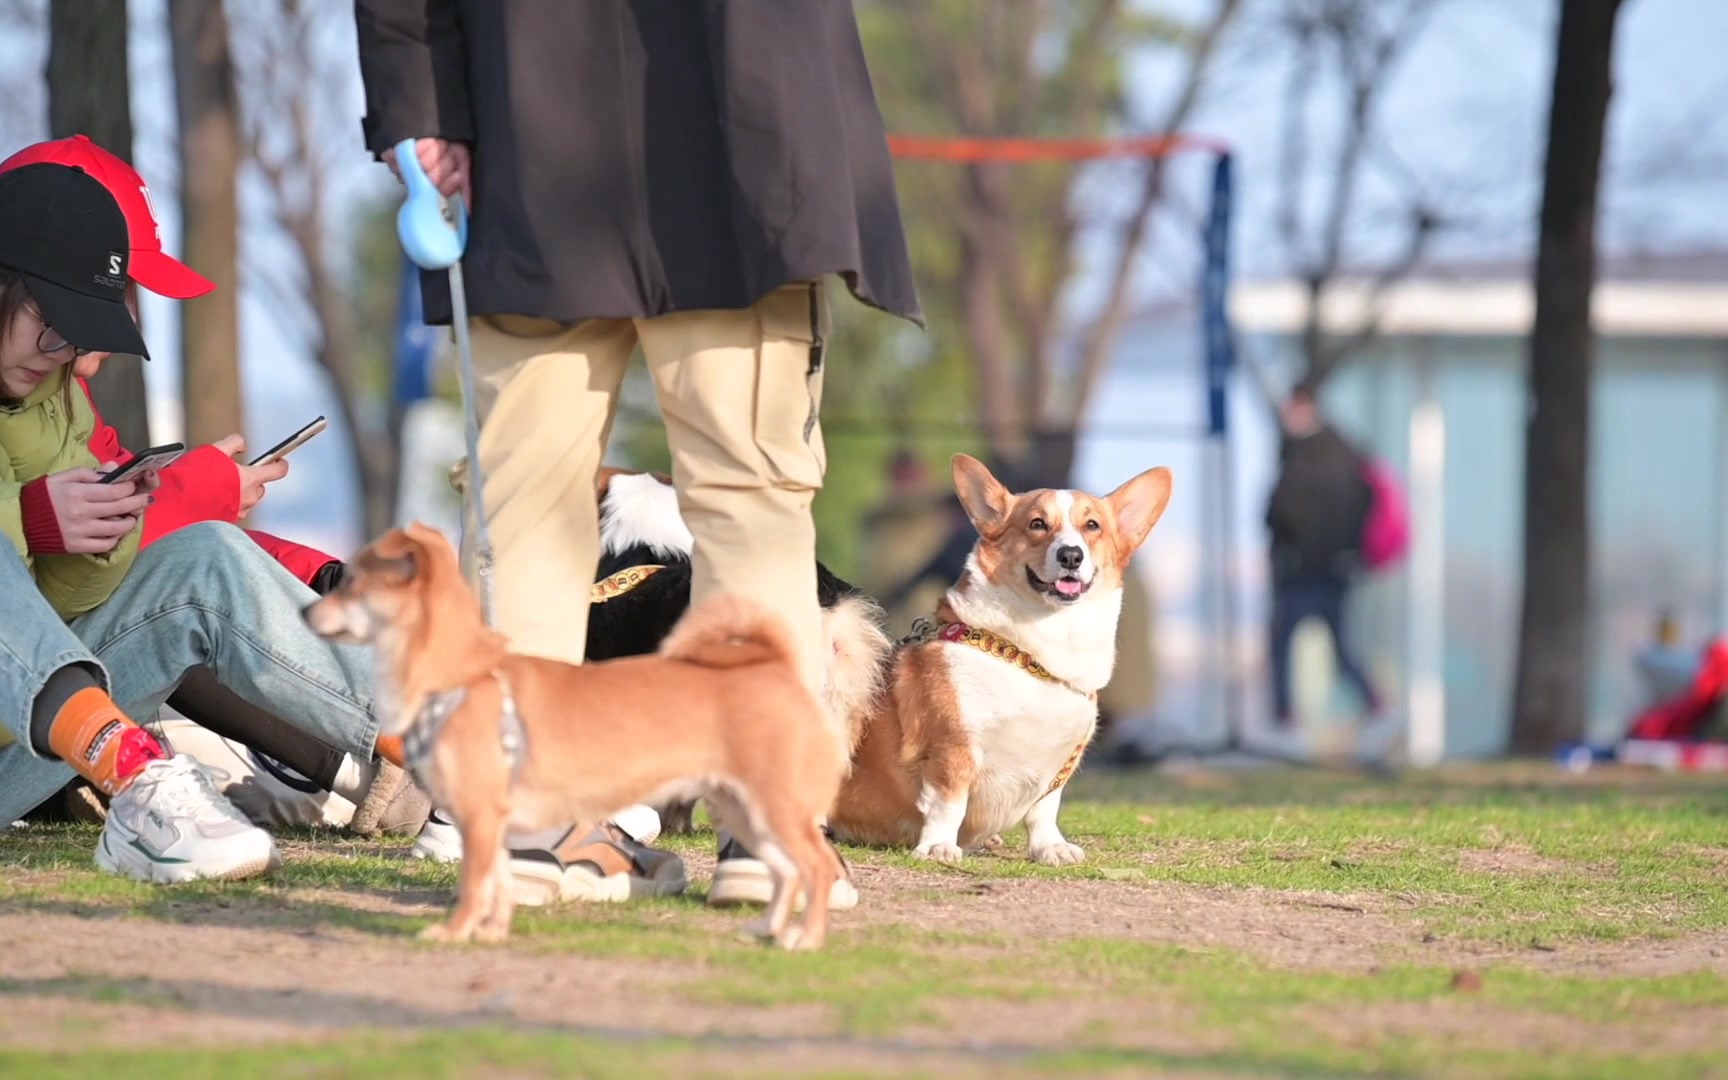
(611, 588)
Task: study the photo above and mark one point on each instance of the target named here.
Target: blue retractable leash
(434, 233)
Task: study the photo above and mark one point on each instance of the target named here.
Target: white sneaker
(740, 878)
(172, 824)
(439, 840)
(1382, 739)
(1266, 739)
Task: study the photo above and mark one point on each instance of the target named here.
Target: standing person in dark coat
(676, 175)
(1316, 516)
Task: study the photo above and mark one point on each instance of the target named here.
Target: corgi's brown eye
(1092, 526)
(1039, 525)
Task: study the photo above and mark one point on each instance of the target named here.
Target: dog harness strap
(928, 630)
(423, 733)
(925, 631)
(616, 585)
(511, 735)
(1067, 770)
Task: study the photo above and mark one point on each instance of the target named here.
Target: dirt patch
(1337, 931)
(1510, 859)
(1491, 1026)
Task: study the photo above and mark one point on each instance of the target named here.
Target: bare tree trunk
(208, 108)
(89, 93)
(1548, 703)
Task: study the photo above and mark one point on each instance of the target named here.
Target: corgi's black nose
(1070, 556)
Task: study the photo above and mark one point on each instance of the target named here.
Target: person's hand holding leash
(94, 516)
(253, 478)
(446, 164)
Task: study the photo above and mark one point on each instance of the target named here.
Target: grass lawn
(1493, 921)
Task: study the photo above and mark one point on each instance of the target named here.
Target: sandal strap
(610, 850)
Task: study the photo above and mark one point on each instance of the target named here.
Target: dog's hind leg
(818, 866)
(787, 883)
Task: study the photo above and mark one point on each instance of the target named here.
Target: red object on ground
(1680, 717)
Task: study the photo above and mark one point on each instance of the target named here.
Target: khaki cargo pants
(740, 391)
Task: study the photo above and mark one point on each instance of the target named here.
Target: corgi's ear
(1139, 503)
(984, 498)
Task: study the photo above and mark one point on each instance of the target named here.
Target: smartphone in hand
(157, 457)
(290, 444)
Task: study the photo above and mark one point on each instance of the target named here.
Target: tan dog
(507, 742)
(990, 707)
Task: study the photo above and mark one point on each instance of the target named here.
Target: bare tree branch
(1364, 55)
(1100, 340)
(286, 75)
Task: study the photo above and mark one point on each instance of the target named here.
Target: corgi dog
(991, 702)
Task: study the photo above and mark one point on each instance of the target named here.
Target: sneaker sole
(531, 885)
(424, 851)
(157, 873)
(746, 882)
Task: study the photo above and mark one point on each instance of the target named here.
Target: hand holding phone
(154, 459)
(93, 516)
(290, 444)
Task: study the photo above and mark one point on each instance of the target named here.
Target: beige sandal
(606, 866)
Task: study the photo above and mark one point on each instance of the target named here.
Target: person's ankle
(101, 743)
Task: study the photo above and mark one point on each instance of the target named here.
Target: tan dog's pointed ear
(400, 569)
(986, 501)
(1139, 503)
(400, 555)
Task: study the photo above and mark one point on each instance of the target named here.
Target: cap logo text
(144, 190)
(114, 263)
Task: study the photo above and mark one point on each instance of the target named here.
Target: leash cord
(475, 485)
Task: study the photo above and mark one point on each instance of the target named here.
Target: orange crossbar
(1018, 149)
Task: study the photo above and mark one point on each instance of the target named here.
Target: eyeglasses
(49, 342)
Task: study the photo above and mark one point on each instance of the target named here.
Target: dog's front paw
(492, 933)
(947, 853)
(1060, 854)
(442, 931)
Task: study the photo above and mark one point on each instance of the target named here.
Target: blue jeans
(1292, 602)
(205, 594)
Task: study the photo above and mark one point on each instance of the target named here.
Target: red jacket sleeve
(203, 485)
(302, 561)
(104, 440)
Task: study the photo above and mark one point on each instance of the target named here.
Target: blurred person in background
(1316, 515)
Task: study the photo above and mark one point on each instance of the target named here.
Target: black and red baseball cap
(65, 235)
(152, 267)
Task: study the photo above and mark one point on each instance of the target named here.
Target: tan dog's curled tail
(728, 631)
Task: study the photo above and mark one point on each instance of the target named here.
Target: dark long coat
(639, 157)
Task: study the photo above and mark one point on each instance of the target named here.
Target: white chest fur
(1023, 731)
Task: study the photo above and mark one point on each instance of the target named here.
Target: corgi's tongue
(1068, 586)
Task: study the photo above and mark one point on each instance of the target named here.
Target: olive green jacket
(49, 433)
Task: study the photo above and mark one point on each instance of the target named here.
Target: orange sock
(100, 742)
(389, 748)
